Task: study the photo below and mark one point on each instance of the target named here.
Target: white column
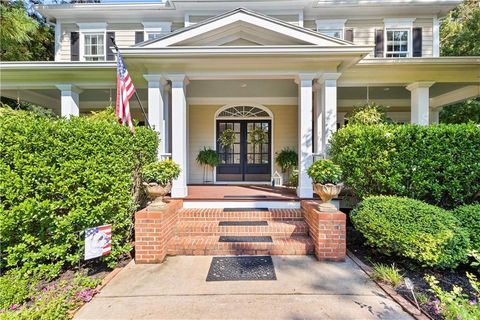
(318, 118)
(167, 117)
(420, 101)
(436, 37)
(69, 101)
(58, 40)
(179, 133)
(156, 106)
(328, 84)
(305, 112)
(435, 115)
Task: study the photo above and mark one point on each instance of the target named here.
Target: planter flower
(157, 178)
(326, 182)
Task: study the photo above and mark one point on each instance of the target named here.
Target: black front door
(244, 161)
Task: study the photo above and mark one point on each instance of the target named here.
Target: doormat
(246, 197)
(242, 223)
(244, 239)
(244, 209)
(241, 268)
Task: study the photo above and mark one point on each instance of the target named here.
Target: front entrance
(245, 160)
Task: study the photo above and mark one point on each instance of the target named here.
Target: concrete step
(220, 215)
(209, 245)
(283, 228)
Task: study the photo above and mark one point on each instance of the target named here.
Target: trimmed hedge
(413, 229)
(59, 177)
(437, 164)
(469, 217)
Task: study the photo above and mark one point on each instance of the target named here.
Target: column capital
(151, 77)
(420, 84)
(177, 77)
(68, 87)
(304, 77)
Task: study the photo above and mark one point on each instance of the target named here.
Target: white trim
(399, 24)
(220, 110)
(58, 40)
(197, 204)
(275, 101)
(331, 25)
(455, 96)
(92, 28)
(161, 28)
(436, 37)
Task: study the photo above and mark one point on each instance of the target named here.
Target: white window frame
(331, 25)
(92, 28)
(403, 24)
(409, 48)
(161, 28)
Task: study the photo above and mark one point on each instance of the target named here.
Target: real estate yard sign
(98, 241)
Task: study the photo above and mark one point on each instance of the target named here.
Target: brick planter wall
(328, 232)
(153, 230)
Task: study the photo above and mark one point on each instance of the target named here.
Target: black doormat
(241, 268)
(244, 239)
(242, 223)
(244, 209)
(246, 197)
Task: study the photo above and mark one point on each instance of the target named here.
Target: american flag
(98, 237)
(125, 90)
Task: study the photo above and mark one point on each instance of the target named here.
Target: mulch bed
(447, 278)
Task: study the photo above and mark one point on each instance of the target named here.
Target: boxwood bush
(469, 217)
(413, 229)
(437, 164)
(61, 176)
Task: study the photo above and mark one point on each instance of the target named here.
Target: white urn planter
(157, 193)
(327, 192)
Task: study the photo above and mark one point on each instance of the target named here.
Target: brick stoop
(180, 231)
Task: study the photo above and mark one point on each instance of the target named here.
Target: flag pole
(136, 94)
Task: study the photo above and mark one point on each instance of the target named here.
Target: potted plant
(208, 158)
(326, 177)
(157, 178)
(287, 159)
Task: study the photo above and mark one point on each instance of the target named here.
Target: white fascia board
(92, 26)
(54, 65)
(326, 24)
(400, 23)
(321, 3)
(424, 60)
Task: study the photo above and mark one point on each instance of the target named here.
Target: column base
(305, 192)
(179, 192)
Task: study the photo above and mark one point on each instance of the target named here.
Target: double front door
(245, 160)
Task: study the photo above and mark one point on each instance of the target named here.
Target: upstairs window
(94, 47)
(397, 44)
(336, 33)
(333, 28)
(154, 30)
(154, 35)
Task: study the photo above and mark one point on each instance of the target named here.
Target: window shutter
(417, 42)
(74, 46)
(349, 35)
(138, 36)
(379, 43)
(110, 54)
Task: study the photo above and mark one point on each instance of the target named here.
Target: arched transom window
(243, 112)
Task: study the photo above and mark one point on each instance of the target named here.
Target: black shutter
(138, 36)
(74, 46)
(417, 42)
(379, 43)
(110, 54)
(349, 35)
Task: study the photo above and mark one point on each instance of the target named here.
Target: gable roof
(246, 22)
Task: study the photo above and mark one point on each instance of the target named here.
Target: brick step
(220, 215)
(209, 245)
(284, 228)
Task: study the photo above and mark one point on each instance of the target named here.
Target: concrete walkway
(304, 289)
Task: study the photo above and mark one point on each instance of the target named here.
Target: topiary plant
(161, 172)
(413, 229)
(469, 217)
(368, 114)
(325, 171)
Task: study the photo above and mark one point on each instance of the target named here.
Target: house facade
(291, 69)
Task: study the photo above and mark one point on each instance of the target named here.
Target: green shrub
(61, 176)
(437, 164)
(324, 171)
(469, 217)
(287, 159)
(387, 274)
(412, 229)
(208, 157)
(161, 172)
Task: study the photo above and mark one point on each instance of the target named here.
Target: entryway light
(244, 85)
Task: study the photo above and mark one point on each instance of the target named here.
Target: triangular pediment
(242, 27)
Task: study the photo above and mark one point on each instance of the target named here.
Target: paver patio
(304, 289)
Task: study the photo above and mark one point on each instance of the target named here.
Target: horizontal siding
(427, 35)
(125, 32)
(65, 40)
(364, 31)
